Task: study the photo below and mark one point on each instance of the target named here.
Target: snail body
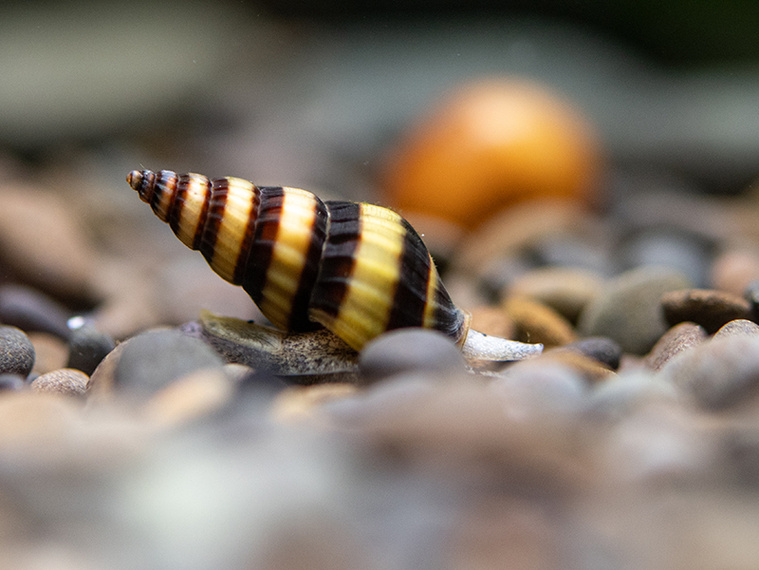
(356, 269)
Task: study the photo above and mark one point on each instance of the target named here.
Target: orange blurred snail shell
(356, 269)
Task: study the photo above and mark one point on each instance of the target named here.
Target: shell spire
(354, 268)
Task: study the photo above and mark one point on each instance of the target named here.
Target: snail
(355, 269)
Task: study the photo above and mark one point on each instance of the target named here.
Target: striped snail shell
(354, 268)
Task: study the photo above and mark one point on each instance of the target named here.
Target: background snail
(354, 268)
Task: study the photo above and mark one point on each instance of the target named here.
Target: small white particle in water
(76, 322)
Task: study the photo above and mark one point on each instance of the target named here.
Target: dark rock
(32, 311)
(707, 307)
(87, 347)
(605, 350)
(409, 350)
(16, 352)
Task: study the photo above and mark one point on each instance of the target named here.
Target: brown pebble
(30, 421)
(707, 307)
(734, 270)
(538, 323)
(673, 342)
(589, 368)
(493, 321)
(65, 381)
(564, 289)
(300, 403)
(51, 352)
(193, 396)
(738, 327)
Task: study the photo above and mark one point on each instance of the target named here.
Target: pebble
(538, 323)
(734, 270)
(190, 397)
(150, 361)
(492, 321)
(11, 382)
(675, 248)
(752, 296)
(87, 347)
(57, 260)
(738, 327)
(66, 381)
(626, 392)
(16, 352)
(628, 309)
(718, 374)
(585, 366)
(301, 403)
(35, 422)
(603, 349)
(707, 307)
(50, 352)
(565, 289)
(677, 339)
(409, 350)
(32, 311)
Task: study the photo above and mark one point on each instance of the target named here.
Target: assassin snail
(356, 269)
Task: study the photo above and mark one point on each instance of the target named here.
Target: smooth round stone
(87, 347)
(541, 387)
(565, 289)
(538, 323)
(492, 321)
(719, 373)
(682, 251)
(605, 350)
(738, 327)
(50, 352)
(570, 251)
(585, 366)
(615, 398)
(677, 339)
(734, 270)
(66, 381)
(42, 245)
(707, 307)
(629, 310)
(11, 382)
(409, 350)
(16, 352)
(152, 360)
(32, 311)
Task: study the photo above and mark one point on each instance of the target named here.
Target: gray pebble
(32, 311)
(678, 249)
(66, 381)
(613, 399)
(11, 382)
(605, 350)
(87, 347)
(719, 373)
(16, 352)
(409, 350)
(629, 310)
(152, 360)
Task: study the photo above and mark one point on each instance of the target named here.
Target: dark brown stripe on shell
(344, 234)
(299, 320)
(146, 185)
(165, 186)
(246, 245)
(410, 297)
(176, 211)
(266, 227)
(213, 218)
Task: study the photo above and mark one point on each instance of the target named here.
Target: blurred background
(316, 93)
